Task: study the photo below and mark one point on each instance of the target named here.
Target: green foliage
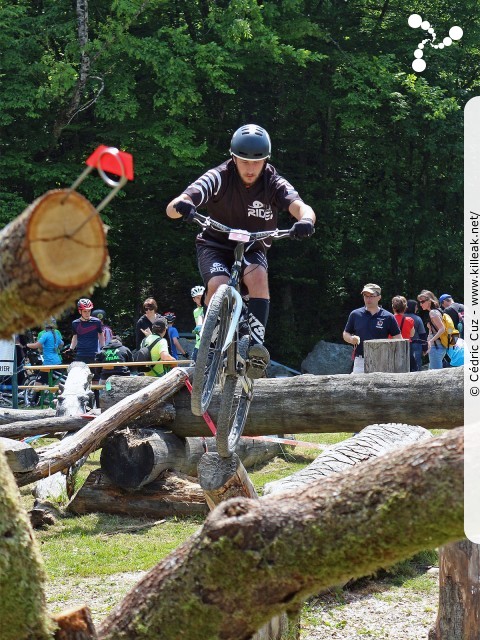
(374, 147)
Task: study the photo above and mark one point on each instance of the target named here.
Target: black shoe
(257, 361)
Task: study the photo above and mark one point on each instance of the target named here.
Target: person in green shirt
(159, 350)
(197, 295)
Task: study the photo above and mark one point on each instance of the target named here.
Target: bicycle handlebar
(248, 236)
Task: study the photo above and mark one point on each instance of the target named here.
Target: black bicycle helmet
(251, 142)
(100, 314)
(170, 316)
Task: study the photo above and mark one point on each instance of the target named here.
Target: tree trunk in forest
(459, 603)
(373, 441)
(327, 404)
(280, 549)
(62, 455)
(172, 495)
(132, 458)
(53, 253)
(22, 575)
(387, 356)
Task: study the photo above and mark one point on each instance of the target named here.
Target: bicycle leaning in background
(225, 338)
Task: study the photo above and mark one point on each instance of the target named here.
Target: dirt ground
(370, 609)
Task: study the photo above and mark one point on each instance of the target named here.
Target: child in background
(197, 295)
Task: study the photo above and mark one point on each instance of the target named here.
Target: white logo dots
(416, 21)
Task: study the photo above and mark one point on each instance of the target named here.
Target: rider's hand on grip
(302, 229)
(186, 209)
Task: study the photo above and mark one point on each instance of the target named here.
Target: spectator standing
(370, 322)
(159, 350)
(111, 353)
(436, 351)
(197, 294)
(418, 344)
(49, 341)
(454, 309)
(175, 346)
(87, 333)
(144, 323)
(107, 331)
(406, 324)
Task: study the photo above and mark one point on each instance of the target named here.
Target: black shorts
(213, 261)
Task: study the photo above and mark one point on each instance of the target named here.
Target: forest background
(374, 147)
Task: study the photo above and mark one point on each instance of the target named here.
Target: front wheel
(210, 356)
(234, 406)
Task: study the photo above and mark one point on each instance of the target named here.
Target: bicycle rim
(210, 356)
(234, 406)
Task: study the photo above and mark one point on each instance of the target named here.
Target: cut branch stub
(53, 253)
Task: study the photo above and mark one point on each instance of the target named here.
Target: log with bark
(328, 404)
(20, 456)
(373, 441)
(170, 495)
(224, 478)
(62, 455)
(8, 416)
(53, 253)
(459, 602)
(276, 550)
(22, 574)
(74, 400)
(132, 458)
(254, 559)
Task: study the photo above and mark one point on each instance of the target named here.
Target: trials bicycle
(224, 342)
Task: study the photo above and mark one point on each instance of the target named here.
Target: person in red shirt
(406, 324)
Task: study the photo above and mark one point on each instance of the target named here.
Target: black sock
(258, 309)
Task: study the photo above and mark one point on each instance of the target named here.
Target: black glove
(187, 209)
(302, 229)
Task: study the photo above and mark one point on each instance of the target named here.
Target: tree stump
(53, 253)
(387, 356)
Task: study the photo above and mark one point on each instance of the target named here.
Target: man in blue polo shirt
(370, 322)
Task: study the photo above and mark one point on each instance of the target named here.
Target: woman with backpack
(436, 351)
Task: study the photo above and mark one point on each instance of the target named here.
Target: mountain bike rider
(244, 192)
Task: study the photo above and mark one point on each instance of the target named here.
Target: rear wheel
(234, 406)
(210, 356)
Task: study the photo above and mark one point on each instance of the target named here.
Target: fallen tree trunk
(62, 455)
(164, 416)
(328, 404)
(373, 441)
(25, 428)
(168, 496)
(280, 549)
(133, 458)
(8, 416)
(53, 253)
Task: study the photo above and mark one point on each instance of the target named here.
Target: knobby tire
(210, 358)
(234, 406)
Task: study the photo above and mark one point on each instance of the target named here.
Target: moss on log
(22, 575)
